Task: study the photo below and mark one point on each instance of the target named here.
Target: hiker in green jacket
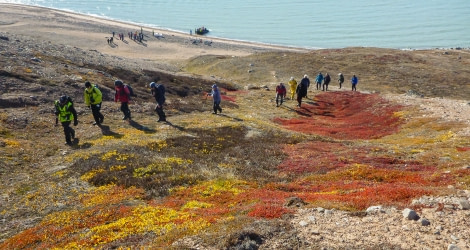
(93, 99)
(65, 113)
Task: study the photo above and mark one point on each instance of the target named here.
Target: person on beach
(93, 99)
(319, 80)
(293, 87)
(340, 79)
(217, 99)
(326, 81)
(302, 90)
(280, 94)
(354, 82)
(158, 92)
(65, 113)
(305, 82)
(124, 96)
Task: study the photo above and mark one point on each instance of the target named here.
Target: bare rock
(410, 214)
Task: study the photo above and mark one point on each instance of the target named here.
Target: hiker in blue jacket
(217, 99)
(319, 80)
(354, 82)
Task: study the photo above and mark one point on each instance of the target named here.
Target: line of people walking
(301, 89)
(66, 113)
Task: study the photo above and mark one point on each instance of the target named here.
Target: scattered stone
(4, 38)
(425, 222)
(35, 59)
(328, 212)
(410, 214)
(320, 210)
(294, 202)
(464, 204)
(303, 223)
(375, 209)
(453, 247)
(453, 237)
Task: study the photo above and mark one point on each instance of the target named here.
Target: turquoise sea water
(402, 24)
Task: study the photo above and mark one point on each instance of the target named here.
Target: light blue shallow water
(399, 24)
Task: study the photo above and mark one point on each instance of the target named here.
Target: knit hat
(118, 83)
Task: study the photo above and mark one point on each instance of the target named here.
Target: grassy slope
(153, 183)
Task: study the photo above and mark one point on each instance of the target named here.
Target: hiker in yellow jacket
(293, 87)
(66, 113)
(93, 99)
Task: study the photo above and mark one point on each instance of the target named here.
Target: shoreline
(173, 46)
(111, 21)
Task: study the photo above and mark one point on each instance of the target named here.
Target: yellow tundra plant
(147, 219)
(196, 204)
(216, 187)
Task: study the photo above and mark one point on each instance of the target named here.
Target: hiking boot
(125, 118)
(68, 143)
(161, 120)
(96, 123)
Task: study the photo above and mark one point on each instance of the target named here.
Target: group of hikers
(301, 89)
(65, 111)
(93, 98)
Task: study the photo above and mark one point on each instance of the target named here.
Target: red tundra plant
(345, 115)
(322, 157)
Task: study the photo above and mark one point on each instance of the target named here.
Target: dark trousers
(68, 131)
(217, 107)
(279, 96)
(299, 100)
(125, 109)
(161, 114)
(95, 109)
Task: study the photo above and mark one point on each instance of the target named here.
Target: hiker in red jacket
(280, 93)
(124, 96)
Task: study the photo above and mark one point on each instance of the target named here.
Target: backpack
(161, 89)
(131, 91)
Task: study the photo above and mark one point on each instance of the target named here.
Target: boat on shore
(201, 31)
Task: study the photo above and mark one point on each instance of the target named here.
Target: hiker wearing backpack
(340, 79)
(354, 82)
(65, 113)
(280, 93)
(319, 80)
(293, 87)
(93, 99)
(302, 90)
(123, 95)
(326, 81)
(217, 99)
(158, 91)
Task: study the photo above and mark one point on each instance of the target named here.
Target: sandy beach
(71, 28)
